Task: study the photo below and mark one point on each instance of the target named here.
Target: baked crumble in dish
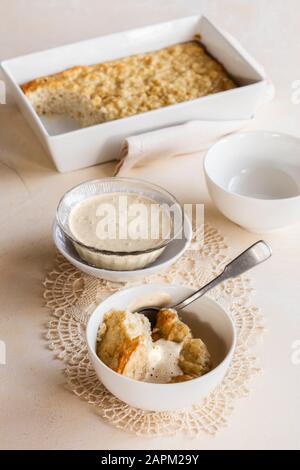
(131, 85)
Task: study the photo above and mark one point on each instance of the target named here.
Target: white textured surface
(36, 411)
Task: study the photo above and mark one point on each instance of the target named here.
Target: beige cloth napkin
(194, 136)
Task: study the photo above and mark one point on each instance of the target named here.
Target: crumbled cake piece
(181, 378)
(131, 85)
(194, 358)
(124, 343)
(169, 327)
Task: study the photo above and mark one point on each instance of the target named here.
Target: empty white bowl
(206, 318)
(171, 253)
(254, 179)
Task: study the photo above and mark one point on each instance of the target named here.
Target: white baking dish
(72, 147)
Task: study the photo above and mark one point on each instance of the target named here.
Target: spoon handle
(254, 255)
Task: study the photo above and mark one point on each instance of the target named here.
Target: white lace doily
(71, 296)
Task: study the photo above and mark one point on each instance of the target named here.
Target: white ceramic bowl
(172, 253)
(206, 318)
(254, 179)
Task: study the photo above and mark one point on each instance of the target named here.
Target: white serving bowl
(254, 179)
(172, 253)
(206, 318)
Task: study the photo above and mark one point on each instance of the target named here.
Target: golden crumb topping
(169, 327)
(131, 85)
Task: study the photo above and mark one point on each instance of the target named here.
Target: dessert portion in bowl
(120, 224)
(206, 320)
(167, 354)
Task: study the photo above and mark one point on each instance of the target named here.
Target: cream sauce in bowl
(120, 222)
(163, 362)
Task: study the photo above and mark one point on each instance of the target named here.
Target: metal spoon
(254, 255)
